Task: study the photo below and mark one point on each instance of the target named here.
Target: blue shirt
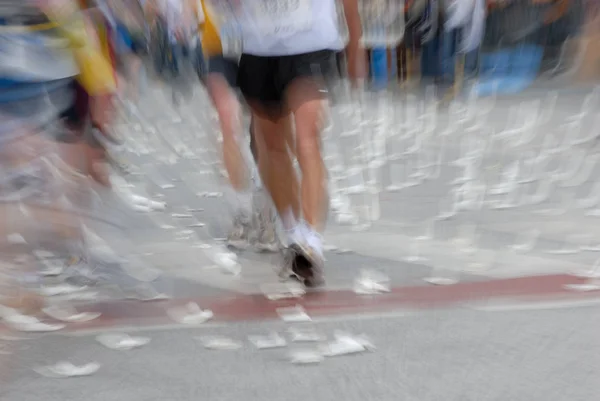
(31, 63)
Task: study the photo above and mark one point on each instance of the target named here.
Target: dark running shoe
(305, 265)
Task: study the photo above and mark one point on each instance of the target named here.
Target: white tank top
(179, 16)
(172, 11)
(287, 27)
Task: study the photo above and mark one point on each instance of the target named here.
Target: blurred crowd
(70, 69)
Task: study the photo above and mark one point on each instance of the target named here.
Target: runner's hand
(356, 59)
(102, 110)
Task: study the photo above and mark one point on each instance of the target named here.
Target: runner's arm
(151, 10)
(196, 8)
(355, 53)
(352, 20)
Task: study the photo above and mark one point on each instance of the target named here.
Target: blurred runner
(46, 53)
(221, 82)
(127, 22)
(289, 49)
(89, 134)
(177, 50)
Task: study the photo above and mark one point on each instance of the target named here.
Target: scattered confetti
(67, 369)
(220, 343)
(190, 314)
(70, 315)
(345, 344)
(293, 314)
(441, 280)
(277, 291)
(298, 334)
(306, 357)
(122, 342)
(273, 340)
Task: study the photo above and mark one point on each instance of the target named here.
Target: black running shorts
(264, 79)
(224, 66)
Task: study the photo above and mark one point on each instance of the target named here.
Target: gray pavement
(453, 355)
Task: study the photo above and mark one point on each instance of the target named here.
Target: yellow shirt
(211, 43)
(96, 73)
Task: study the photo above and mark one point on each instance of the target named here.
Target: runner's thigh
(317, 69)
(256, 80)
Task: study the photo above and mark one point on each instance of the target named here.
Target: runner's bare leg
(228, 109)
(275, 165)
(305, 101)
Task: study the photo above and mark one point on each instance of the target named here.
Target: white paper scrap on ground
(589, 285)
(273, 340)
(147, 203)
(306, 357)
(122, 342)
(294, 314)
(25, 323)
(227, 261)
(69, 314)
(196, 225)
(67, 369)
(441, 280)
(210, 194)
(62, 289)
(190, 314)
(301, 334)
(286, 290)
(80, 296)
(16, 239)
(220, 343)
(42, 254)
(345, 344)
(371, 282)
(146, 293)
(157, 206)
(141, 208)
(366, 342)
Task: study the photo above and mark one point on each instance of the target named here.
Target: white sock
(257, 182)
(289, 220)
(296, 234)
(303, 233)
(314, 240)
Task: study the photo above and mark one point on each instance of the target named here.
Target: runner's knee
(308, 118)
(270, 135)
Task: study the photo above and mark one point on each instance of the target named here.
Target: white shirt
(32, 56)
(179, 16)
(172, 11)
(286, 27)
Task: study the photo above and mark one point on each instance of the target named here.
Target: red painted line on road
(339, 302)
